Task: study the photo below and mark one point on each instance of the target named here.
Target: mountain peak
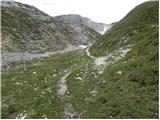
(78, 19)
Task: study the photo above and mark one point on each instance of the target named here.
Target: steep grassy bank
(140, 25)
(131, 89)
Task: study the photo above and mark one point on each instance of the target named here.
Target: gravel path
(7, 58)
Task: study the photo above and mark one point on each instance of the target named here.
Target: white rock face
(106, 28)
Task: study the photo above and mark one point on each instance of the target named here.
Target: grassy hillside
(135, 27)
(134, 92)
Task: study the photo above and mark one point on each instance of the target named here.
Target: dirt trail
(62, 85)
(69, 112)
(88, 53)
(98, 61)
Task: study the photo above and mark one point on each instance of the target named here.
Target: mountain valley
(70, 67)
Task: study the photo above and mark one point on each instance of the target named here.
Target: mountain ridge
(26, 29)
(78, 19)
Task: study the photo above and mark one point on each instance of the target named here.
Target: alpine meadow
(70, 67)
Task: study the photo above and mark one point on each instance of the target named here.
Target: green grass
(134, 94)
(19, 82)
(137, 25)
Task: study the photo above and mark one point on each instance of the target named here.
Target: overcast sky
(106, 11)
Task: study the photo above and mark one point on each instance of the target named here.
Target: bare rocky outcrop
(27, 29)
(79, 20)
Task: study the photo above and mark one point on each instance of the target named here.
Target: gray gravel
(7, 58)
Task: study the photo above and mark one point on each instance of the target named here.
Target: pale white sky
(106, 11)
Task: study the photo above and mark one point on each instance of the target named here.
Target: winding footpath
(62, 85)
(88, 53)
(98, 61)
(69, 112)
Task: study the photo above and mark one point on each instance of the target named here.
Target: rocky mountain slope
(79, 20)
(27, 29)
